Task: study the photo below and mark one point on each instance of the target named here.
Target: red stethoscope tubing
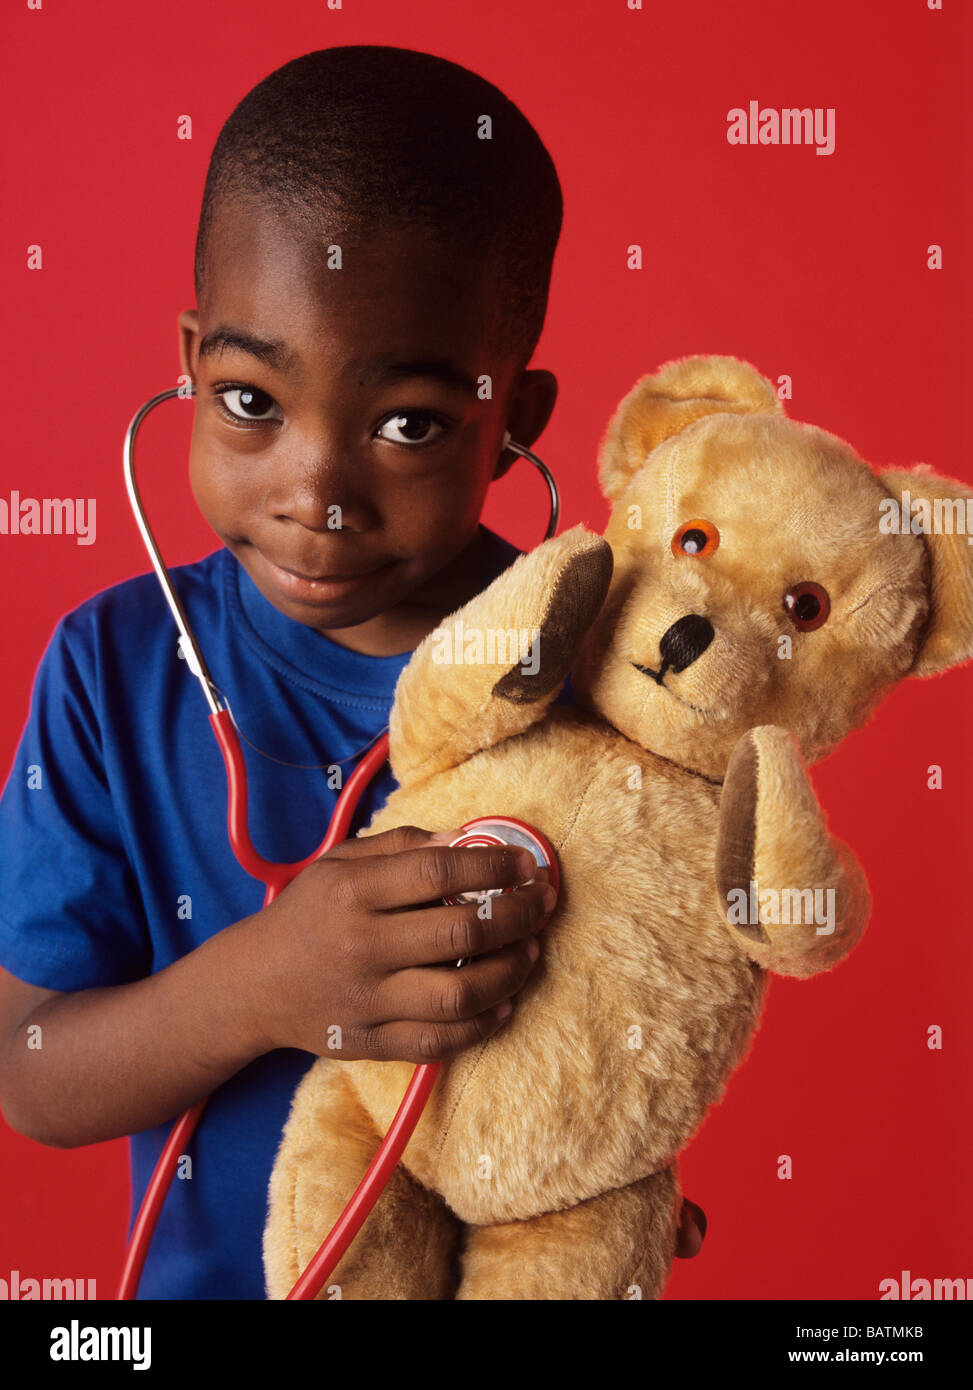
(276, 877)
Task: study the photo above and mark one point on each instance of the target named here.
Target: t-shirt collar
(285, 643)
(306, 654)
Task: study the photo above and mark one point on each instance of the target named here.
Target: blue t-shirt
(115, 862)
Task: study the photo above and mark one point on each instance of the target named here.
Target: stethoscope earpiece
(545, 473)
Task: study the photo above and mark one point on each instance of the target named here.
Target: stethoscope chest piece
(505, 830)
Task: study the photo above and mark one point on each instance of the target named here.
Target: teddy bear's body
(544, 1163)
(637, 1013)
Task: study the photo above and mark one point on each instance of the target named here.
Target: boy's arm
(98, 1046)
(351, 946)
(90, 1050)
(77, 1068)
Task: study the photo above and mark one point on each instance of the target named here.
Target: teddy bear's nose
(687, 639)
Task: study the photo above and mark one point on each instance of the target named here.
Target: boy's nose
(324, 496)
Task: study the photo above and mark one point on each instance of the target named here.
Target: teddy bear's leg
(492, 668)
(795, 897)
(408, 1246)
(618, 1245)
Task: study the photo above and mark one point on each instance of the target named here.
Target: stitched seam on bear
(582, 797)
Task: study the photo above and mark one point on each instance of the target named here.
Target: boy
(364, 260)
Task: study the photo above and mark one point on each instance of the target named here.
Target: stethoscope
(484, 830)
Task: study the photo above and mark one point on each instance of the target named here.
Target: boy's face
(344, 440)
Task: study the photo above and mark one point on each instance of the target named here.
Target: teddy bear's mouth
(658, 677)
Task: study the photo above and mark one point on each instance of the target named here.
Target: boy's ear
(188, 336)
(530, 409)
(663, 404)
(948, 637)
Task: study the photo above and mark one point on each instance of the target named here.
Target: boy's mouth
(325, 588)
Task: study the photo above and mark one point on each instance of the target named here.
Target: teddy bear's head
(762, 573)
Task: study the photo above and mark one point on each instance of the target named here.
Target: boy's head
(371, 279)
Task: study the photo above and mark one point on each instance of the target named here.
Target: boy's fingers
(431, 1042)
(447, 933)
(433, 871)
(451, 994)
(395, 841)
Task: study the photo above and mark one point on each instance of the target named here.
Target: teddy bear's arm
(795, 897)
(490, 670)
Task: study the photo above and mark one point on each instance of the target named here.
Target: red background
(807, 265)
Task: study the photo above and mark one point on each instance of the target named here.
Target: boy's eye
(411, 427)
(250, 404)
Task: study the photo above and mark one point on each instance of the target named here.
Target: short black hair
(378, 137)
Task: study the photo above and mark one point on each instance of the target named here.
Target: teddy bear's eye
(696, 537)
(807, 605)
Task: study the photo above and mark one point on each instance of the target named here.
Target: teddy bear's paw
(578, 578)
(794, 896)
(490, 670)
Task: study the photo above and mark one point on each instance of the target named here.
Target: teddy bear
(746, 609)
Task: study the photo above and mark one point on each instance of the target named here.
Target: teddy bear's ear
(661, 405)
(942, 516)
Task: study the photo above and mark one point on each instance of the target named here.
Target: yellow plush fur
(545, 1164)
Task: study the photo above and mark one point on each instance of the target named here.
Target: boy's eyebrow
(274, 353)
(442, 369)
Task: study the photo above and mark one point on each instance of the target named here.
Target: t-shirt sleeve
(71, 914)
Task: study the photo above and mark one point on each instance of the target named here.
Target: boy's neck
(402, 628)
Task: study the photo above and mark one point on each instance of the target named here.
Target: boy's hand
(360, 940)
